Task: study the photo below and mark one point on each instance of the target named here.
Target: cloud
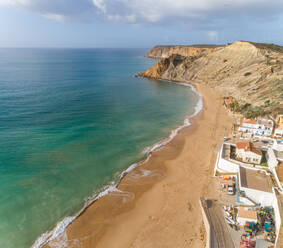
(158, 11)
(59, 10)
(14, 2)
(56, 17)
(100, 5)
(151, 11)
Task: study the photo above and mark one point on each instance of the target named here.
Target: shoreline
(63, 225)
(158, 202)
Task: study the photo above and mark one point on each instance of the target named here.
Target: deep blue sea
(71, 120)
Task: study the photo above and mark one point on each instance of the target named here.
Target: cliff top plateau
(250, 72)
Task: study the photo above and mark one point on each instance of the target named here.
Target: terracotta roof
(253, 149)
(248, 147)
(249, 121)
(247, 214)
(265, 122)
(243, 145)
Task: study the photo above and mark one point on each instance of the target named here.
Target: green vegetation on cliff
(252, 73)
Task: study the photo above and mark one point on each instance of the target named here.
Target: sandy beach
(157, 204)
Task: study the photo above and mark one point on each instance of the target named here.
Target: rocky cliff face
(166, 51)
(249, 72)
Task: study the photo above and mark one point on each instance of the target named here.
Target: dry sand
(158, 202)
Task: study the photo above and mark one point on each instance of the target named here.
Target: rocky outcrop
(249, 72)
(194, 50)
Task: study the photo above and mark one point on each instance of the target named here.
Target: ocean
(71, 121)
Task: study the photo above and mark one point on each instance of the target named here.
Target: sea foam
(186, 123)
(62, 226)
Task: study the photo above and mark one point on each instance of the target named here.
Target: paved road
(219, 233)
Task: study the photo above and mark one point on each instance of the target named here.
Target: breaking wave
(112, 187)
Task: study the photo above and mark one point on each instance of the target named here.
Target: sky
(138, 23)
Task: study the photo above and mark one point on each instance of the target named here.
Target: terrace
(255, 180)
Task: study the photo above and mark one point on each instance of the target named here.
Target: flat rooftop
(247, 214)
(255, 180)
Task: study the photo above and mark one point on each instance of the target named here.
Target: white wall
(255, 130)
(247, 130)
(258, 196)
(242, 221)
(249, 125)
(227, 166)
(245, 201)
(278, 133)
(206, 224)
(277, 216)
(248, 157)
(277, 146)
(261, 197)
(271, 159)
(223, 165)
(273, 170)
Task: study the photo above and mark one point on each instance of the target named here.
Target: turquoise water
(71, 120)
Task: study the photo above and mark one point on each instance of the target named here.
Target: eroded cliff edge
(250, 72)
(193, 50)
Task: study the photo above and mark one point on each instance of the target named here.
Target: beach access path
(219, 233)
(160, 208)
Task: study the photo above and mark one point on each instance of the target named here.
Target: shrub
(267, 103)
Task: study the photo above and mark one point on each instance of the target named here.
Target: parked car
(231, 189)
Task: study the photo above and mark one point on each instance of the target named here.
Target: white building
(256, 186)
(246, 215)
(278, 146)
(248, 153)
(278, 132)
(248, 126)
(272, 164)
(262, 127)
(223, 163)
(265, 127)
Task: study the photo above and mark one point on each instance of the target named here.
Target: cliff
(250, 72)
(166, 51)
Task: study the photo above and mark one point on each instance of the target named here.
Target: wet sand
(157, 204)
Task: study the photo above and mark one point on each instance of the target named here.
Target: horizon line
(71, 47)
